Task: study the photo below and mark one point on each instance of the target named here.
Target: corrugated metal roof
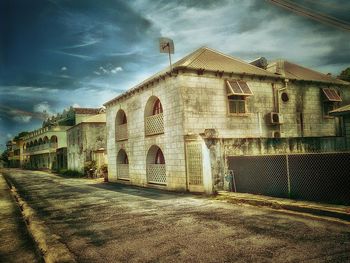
(290, 70)
(341, 111)
(210, 60)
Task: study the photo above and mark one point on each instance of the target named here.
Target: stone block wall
(171, 142)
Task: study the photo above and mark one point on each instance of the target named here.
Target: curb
(51, 248)
(312, 209)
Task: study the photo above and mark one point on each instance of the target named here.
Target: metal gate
(315, 177)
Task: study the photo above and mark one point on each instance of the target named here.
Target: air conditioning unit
(276, 118)
(277, 134)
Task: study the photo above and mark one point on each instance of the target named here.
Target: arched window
(126, 159)
(154, 122)
(124, 120)
(155, 166)
(121, 127)
(122, 165)
(157, 107)
(159, 157)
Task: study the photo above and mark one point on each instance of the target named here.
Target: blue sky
(57, 53)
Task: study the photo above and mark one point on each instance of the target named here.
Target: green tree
(4, 157)
(345, 74)
(21, 134)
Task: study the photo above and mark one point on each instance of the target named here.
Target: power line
(332, 21)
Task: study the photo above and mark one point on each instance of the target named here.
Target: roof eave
(177, 68)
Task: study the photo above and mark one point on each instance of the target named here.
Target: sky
(58, 53)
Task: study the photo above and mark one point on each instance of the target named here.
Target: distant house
(178, 130)
(46, 148)
(86, 141)
(15, 152)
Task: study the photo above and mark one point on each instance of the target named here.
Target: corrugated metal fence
(316, 177)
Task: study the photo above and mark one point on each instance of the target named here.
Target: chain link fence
(321, 177)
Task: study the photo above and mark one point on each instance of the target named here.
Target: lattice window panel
(121, 132)
(123, 171)
(156, 173)
(194, 163)
(154, 124)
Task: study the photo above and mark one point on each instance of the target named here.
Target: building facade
(177, 129)
(86, 142)
(15, 152)
(46, 148)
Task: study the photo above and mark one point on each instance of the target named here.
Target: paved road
(15, 243)
(102, 222)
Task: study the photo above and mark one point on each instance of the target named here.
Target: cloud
(117, 69)
(108, 69)
(76, 105)
(43, 107)
(81, 56)
(22, 118)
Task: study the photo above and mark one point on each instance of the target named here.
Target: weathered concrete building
(15, 152)
(87, 142)
(177, 129)
(46, 148)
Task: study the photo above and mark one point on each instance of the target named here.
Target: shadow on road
(155, 194)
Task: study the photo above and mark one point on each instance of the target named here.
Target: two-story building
(46, 148)
(177, 129)
(86, 142)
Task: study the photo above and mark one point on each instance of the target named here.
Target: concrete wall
(206, 107)
(83, 139)
(137, 145)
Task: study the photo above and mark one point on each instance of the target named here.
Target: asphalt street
(105, 222)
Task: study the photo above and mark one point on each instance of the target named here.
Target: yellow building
(46, 148)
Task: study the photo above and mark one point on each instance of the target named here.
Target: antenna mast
(166, 45)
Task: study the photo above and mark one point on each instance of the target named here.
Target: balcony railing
(42, 147)
(156, 173)
(121, 132)
(123, 171)
(154, 124)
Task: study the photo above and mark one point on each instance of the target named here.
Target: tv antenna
(166, 45)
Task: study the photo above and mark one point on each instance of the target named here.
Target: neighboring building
(46, 148)
(86, 141)
(15, 150)
(177, 130)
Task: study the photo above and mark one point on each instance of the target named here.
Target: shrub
(90, 168)
(70, 173)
